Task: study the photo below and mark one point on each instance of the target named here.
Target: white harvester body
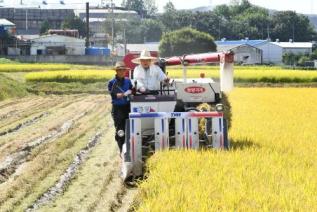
(154, 117)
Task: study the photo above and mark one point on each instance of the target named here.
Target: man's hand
(120, 95)
(142, 90)
(127, 93)
(167, 80)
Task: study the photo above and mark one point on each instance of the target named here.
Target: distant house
(57, 45)
(243, 53)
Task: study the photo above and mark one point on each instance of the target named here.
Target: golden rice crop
(270, 167)
(242, 74)
(71, 76)
(32, 67)
(251, 74)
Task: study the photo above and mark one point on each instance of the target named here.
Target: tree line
(238, 20)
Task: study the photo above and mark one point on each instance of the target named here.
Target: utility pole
(26, 19)
(268, 31)
(87, 24)
(219, 30)
(125, 40)
(112, 25)
(293, 32)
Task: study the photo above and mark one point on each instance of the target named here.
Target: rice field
(242, 74)
(270, 167)
(85, 76)
(19, 67)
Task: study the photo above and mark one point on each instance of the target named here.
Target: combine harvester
(169, 118)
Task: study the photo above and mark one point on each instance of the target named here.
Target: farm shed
(273, 51)
(244, 53)
(57, 45)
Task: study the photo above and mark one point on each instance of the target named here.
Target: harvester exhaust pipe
(226, 72)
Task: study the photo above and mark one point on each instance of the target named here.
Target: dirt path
(57, 153)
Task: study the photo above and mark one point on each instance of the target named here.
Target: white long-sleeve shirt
(150, 78)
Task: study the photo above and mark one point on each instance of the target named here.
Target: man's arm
(161, 75)
(113, 90)
(137, 77)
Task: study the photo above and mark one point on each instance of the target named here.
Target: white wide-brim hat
(144, 55)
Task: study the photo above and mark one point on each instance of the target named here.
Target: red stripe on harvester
(133, 154)
(183, 140)
(206, 114)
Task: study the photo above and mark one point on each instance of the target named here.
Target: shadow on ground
(245, 143)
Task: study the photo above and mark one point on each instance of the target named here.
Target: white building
(57, 45)
(272, 52)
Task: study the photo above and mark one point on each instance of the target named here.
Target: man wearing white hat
(147, 74)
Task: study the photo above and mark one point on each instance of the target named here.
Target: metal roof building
(240, 42)
(272, 52)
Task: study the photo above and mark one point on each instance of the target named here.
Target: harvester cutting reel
(186, 136)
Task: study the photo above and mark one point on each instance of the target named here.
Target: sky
(302, 6)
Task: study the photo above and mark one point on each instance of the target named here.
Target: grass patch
(66, 88)
(10, 88)
(7, 61)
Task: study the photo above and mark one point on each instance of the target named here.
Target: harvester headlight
(120, 133)
(219, 107)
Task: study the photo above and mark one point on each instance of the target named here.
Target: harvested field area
(58, 153)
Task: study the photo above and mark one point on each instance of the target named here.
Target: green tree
(238, 7)
(168, 18)
(291, 59)
(134, 32)
(145, 30)
(74, 22)
(152, 30)
(289, 25)
(223, 10)
(208, 22)
(150, 8)
(186, 41)
(303, 59)
(136, 5)
(45, 26)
